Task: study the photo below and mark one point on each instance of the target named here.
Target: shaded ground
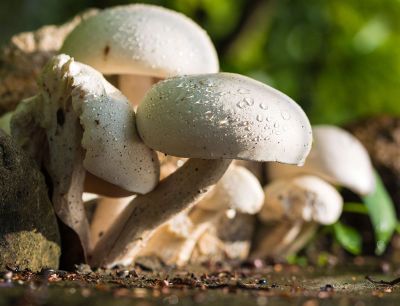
(246, 284)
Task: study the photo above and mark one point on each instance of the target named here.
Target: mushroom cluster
(298, 199)
(134, 96)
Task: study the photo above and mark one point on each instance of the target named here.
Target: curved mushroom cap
(143, 40)
(238, 189)
(336, 156)
(223, 115)
(113, 149)
(304, 197)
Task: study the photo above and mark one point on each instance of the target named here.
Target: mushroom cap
(336, 156)
(223, 115)
(238, 189)
(113, 149)
(304, 197)
(144, 40)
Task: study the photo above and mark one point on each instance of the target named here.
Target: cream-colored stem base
(136, 223)
(107, 210)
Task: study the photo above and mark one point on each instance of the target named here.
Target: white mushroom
(238, 189)
(289, 205)
(142, 44)
(211, 119)
(106, 212)
(228, 238)
(336, 156)
(88, 127)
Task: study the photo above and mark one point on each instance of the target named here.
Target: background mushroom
(238, 190)
(87, 125)
(212, 119)
(292, 208)
(337, 157)
(141, 44)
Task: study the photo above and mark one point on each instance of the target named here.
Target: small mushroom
(141, 44)
(336, 156)
(87, 126)
(238, 189)
(229, 238)
(210, 119)
(291, 205)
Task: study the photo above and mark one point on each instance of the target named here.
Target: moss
(29, 236)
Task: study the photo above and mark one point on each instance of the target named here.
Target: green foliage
(383, 215)
(339, 59)
(348, 237)
(358, 208)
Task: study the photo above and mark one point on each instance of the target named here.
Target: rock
(29, 237)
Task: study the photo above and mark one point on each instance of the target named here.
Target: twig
(382, 282)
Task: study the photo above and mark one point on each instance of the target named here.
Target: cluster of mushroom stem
(89, 136)
(300, 198)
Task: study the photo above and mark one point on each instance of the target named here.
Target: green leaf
(382, 213)
(354, 207)
(348, 238)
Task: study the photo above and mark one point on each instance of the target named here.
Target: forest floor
(250, 283)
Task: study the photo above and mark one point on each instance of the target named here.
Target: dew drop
(263, 106)
(285, 115)
(260, 118)
(243, 91)
(223, 122)
(249, 101)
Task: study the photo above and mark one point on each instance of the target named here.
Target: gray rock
(29, 237)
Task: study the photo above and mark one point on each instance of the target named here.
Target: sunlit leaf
(354, 207)
(348, 238)
(383, 215)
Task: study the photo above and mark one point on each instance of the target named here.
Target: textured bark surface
(22, 59)
(29, 236)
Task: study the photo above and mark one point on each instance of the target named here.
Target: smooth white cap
(336, 156)
(144, 40)
(113, 149)
(238, 189)
(307, 198)
(223, 115)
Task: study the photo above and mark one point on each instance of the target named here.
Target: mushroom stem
(135, 225)
(134, 87)
(277, 238)
(174, 249)
(107, 210)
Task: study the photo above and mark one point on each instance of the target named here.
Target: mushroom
(229, 238)
(210, 119)
(106, 212)
(141, 44)
(88, 127)
(337, 157)
(293, 206)
(238, 190)
(23, 57)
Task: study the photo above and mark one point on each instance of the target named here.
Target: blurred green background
(339, 59)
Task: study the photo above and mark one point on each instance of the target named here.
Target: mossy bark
(29, 237)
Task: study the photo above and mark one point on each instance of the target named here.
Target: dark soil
(249, 283)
